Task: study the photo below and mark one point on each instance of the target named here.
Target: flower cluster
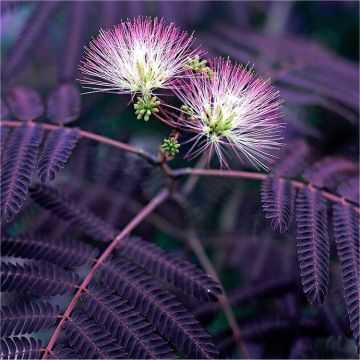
(232, 109)
(225, 105)
(137, 56)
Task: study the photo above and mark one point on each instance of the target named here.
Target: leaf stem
(152, 205)
(261, 176)
(92, 136)
(175, 173)
(198, 249)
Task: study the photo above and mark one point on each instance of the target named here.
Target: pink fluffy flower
(232, 109)
(137, 56)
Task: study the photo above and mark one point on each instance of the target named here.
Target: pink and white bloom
(137, 56)
(232, 110)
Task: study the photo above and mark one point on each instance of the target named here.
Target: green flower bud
(188, 111)
(170, 146)
(146, 106)
(199, 66)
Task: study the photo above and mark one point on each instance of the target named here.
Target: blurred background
(310, 49)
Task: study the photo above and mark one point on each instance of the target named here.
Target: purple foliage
(75, 37)
(293, 159)
(346, 231)
(349, 189)
(137, 337)
(36, 278)
(4, 110)
(329, 171)
(63, 104)
(64, 252)
(56, 152)
(278, 199)
(25, 103)
(169, 317)
(27, 317)
(90, 340)
(62, 352)
(33, 30)
(66, 209)
(18, 164)
(4, 135)
(143, 301)
(313, 243)
(170, 268)
(21, 348)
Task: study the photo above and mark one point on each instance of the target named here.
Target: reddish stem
(92, 136)
(186, 171)
(260, 176)
(155, 202)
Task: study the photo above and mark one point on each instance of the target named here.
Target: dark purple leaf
(20, 348)
(278, 199)
(170, 268)
(64, 252)
(63, 104)
(313, 243)
(330, 170)
(27, 317)
(346, 232)
(56, 152)
(26, 104)
(90, 340)
(17, 168)
(36, 278)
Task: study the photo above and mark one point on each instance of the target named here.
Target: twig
(261, 176)
(198, 249)
(193, 179)
(92, 136)
(152, 205)
(187, 171)
(224, 302)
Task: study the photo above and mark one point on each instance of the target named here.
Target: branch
(260, 176)
(152, 205)
(92, 136)
(198, 249)
(175, 173)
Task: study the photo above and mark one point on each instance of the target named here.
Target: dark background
(310, 49)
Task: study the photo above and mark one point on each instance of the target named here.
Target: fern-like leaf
(37, 278)
(4, 110)
(17, 168)
(77, 216)
(64, 252)
(346, 232)
(134, 334)
(56, 152)
(349, 189)
(27, 317)
(278, 199)
(64, 104)
(90, 340)
(313, 243)
(62, 352)
(293, 159)
(32, 31)
(171, 319)
(4, 136)
(75, 38)
(20, 348)
(25, 103)
(170, 268)
(330, 170)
